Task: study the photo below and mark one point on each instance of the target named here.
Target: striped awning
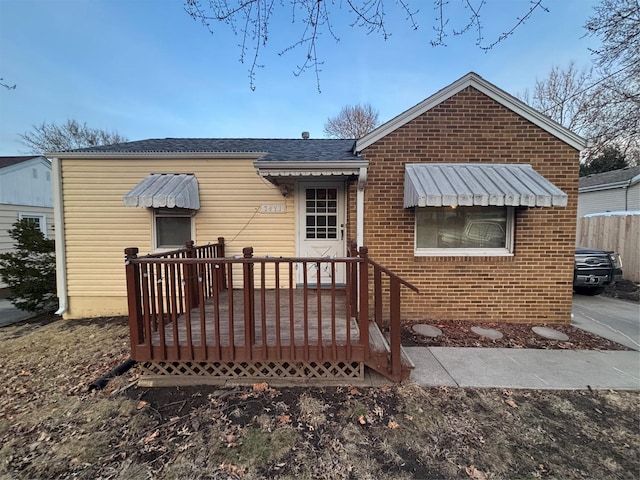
(165, 190)
(468, 184)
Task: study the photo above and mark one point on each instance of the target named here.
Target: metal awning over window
(165, 190)
(468, 184)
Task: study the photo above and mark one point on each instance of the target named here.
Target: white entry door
(321, 228)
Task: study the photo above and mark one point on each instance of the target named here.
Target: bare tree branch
(562, 96)
(7, 86)
(49, 137)
(534, 5)
(601, 104)
(353, 121)
(617, 24)
(310, 19)
(617, 96)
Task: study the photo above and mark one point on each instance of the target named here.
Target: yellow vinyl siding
(98, 227)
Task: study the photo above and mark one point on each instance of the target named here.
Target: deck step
(381, 350)
(404, 356)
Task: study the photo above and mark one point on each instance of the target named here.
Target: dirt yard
(52, 427)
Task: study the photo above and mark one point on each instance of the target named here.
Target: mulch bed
(515, 335)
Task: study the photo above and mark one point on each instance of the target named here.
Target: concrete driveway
(10, 314)
(617, 320)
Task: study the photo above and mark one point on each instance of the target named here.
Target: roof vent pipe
(305, 135)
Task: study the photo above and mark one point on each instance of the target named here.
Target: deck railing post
(222, 276)
(352, 279)
(394, 328)
(191, 280)
(363, 301)
(249, 300)
(132, 270)
(377, 296)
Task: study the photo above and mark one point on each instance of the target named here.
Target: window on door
(321, 213)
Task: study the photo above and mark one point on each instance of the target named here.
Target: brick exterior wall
(535, 285)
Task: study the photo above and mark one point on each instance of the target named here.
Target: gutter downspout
(626, 195)
(61, 257)
(362, 183)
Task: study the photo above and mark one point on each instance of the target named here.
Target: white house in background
(614, 191)
(25, 192)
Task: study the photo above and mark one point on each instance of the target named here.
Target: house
(25, 193)
(470, 195)
(614, 191)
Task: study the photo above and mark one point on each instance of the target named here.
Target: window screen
(173, 228)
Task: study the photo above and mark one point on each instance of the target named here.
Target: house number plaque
(275, 208)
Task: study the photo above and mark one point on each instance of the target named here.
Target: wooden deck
(194, 312)
(315, 316)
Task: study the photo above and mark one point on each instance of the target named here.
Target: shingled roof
(273, 149)
(609, 178)
(9, 161)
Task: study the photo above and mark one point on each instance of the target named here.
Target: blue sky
(147, 70)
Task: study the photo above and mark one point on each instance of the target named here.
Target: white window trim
(154, 236)
(507, 251)
(41, 216)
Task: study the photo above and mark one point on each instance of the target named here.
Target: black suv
(595, 269)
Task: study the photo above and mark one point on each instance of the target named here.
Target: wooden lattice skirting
(160, 374)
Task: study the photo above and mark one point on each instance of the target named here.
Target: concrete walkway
(614, 319)
(10, 314)
(526, 368)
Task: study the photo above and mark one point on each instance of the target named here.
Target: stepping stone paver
(487, 332)
(427, 330)
(550, 333)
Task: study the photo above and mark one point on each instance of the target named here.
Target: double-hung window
(464, 231)
(39, 220)
(173, 227)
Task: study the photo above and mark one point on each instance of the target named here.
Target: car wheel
(588, 290)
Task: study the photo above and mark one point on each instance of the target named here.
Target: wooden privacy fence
(196, 305)
(620, 233)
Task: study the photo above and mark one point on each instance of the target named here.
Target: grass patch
(52, 427)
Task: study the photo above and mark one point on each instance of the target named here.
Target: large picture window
(464, 231)
(172, 227)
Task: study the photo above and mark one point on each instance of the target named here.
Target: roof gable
(500, 96)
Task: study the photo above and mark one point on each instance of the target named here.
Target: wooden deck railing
(195, 304)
